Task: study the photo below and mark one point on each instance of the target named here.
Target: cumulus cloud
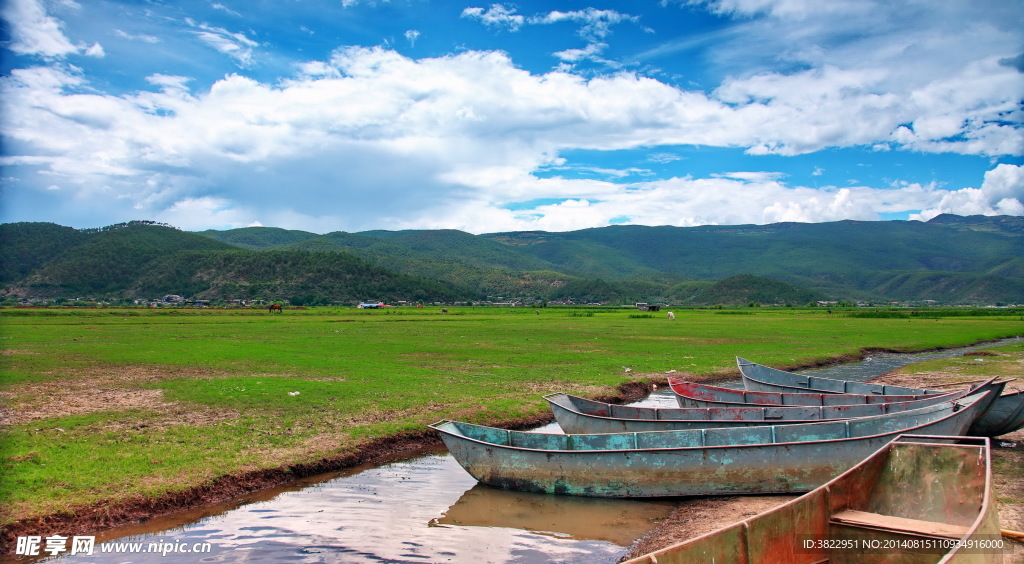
(368, 138)
(686, 202)
(33, 31)
(423, 142)
(1002, 193)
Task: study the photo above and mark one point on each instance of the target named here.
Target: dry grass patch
(105, 389)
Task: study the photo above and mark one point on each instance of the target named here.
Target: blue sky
(349, 115)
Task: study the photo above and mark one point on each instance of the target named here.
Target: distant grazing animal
(671, 315)
(444, 311)
(275, 307)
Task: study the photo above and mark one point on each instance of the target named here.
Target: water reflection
(617, 521)
(424, 509)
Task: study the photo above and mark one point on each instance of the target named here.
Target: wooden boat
(1004, 416)
(693, 394)
(747, 460)
(580, 415)
(917, 499)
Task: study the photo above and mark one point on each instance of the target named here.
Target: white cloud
(169, 82)
(1002, 193)
(33, 31)
(594, 24)
(225, 9)
(760, 176)
(411, 35)
(235, 45)
(96, 50)
(498, 15)
(663, 157)
(137, 37)
(591, 51)
(372, 139)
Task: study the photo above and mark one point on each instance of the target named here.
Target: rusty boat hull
(580, 415)
(749, 460)
(917, 499)
(1005, 415)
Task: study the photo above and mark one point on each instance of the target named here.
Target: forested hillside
(145, 260)
(951, 260)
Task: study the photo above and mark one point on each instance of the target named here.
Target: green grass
(221, 383)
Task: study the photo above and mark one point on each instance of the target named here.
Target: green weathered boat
(747, 460)
(917, 499)
(697, 394)
(1005, 415)
(580, 415)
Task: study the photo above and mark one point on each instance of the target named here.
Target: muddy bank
(699, 516)
(87, 519)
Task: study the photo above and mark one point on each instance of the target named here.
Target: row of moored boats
(783, 433)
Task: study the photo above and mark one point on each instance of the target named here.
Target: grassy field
(104, 404)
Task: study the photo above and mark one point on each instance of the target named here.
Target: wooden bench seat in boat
(863, 519)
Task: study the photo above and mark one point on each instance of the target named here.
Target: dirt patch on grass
(76, 400)
(106, 389)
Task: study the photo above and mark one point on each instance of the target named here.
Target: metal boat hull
(580, 415)
(750, 460)
(1004, 416)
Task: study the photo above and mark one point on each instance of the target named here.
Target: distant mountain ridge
(145, 260)
(950, 259)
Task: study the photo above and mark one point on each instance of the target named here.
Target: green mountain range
(950, 259)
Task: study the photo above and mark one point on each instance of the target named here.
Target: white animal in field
(671, 315)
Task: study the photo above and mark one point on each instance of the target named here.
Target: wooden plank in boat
(899, 524)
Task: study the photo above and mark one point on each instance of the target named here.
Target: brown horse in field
(275, 307)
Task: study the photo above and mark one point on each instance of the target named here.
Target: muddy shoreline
(99, 516)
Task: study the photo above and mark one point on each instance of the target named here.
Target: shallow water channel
(422, 507)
